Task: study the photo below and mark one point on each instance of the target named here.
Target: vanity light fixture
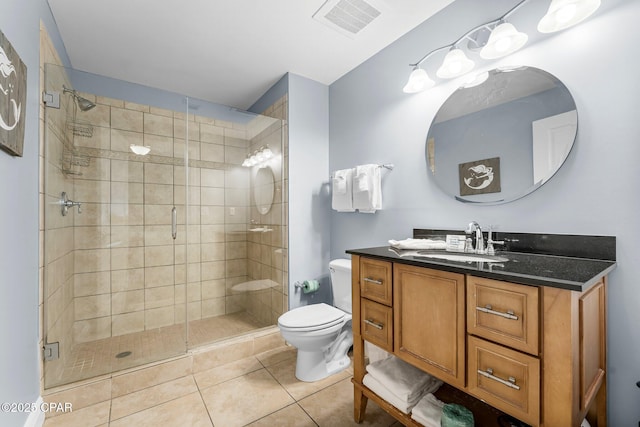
(261, 155)
(503, 40)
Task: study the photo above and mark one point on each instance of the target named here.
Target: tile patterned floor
(257, 391)
(91, 359)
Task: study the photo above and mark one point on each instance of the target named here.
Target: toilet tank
(340, 270)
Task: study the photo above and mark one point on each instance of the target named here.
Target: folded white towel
(342, 194)
(378, 388)
(367, 191)
(424, 421)
(418, 244)
(428, 411)
(403, 380)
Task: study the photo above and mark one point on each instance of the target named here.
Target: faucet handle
(490, 242)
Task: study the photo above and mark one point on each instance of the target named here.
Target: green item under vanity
(454, 415)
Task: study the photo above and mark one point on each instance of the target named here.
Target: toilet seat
(311, 318)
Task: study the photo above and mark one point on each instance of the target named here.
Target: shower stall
(164, 224)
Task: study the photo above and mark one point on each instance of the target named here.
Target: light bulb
(566, 13)
(418, 81)
(476, 80)
(455, 64)
(504, 39)
(267, 153)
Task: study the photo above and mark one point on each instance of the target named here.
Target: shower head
(83, 103)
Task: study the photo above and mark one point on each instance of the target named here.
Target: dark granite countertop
(524, 266)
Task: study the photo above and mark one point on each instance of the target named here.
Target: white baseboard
(36, 418)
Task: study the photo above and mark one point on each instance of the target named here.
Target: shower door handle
(174, 223)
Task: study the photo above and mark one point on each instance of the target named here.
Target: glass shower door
(114, 267)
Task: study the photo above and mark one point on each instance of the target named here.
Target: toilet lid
(315, 315)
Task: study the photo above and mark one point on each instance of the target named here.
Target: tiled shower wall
(126, 262)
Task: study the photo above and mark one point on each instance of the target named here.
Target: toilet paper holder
(307, 286)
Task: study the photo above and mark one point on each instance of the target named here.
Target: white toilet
(322, 333)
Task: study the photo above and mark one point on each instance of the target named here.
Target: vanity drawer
(503, 312)
(504, 378)
(376, 324)
(375, 280)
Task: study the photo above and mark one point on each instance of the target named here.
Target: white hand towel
(418, 244)
(367, 194)
(361, 180)
(339, 185)
(378, 388)
(428, 411)
(342, 194)
(404, 380)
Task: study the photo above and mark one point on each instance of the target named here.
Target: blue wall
(19, 372)
(371, 120)
(309, 202)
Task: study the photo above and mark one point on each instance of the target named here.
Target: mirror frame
(503, 89)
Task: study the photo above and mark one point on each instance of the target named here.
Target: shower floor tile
(91, 359)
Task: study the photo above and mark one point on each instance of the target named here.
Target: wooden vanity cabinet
(537, 353)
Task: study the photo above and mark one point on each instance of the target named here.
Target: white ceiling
(225, 51)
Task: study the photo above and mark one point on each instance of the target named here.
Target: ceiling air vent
(348, 17)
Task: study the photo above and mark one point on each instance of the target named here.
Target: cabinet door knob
(374, 324)
(374, 281)
(511, 382)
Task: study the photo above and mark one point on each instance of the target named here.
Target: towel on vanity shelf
(367, 188)
(341, 191)
(428, 411)
(405, 381)
(378, 388)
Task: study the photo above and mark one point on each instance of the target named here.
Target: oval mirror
(502, 136)
(263, 189)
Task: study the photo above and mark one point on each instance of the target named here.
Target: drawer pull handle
(508, 315)
(374, 324)
(511, 382)
(374, 281)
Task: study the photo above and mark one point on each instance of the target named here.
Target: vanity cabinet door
(429, 321)
(377, 324)
(504, 312)
(375, 280)
(505, 378)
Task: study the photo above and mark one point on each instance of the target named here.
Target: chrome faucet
(474, 226)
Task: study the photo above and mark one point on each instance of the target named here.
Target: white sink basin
(462, 257)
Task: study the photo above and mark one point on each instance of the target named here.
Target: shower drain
(123, 354)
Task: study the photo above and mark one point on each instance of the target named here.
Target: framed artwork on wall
(13, 95)
(479, 177)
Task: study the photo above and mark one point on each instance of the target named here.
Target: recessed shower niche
(150, 266)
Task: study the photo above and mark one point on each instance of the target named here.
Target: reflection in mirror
(263, 189)
(500, 139)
